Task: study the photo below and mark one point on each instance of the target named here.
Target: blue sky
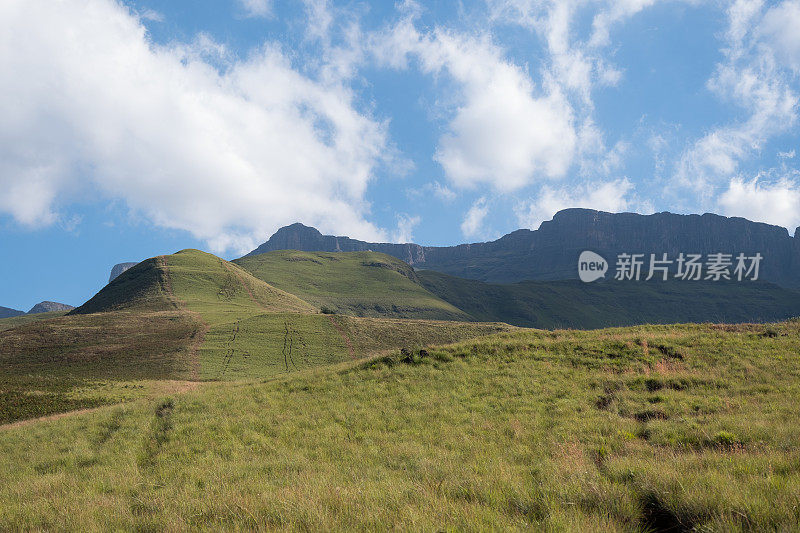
(136, 128)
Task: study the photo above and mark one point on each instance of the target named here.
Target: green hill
(573, 304)
(365, 284)
(251, 328)
(651, 428)
(190, 278)
(187, 316)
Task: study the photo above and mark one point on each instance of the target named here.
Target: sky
(133, 128)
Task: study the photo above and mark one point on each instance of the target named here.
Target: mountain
(574, 304)
(7, 312)
(47, 307)
(551, 252)
(119, 269)
(366, 284)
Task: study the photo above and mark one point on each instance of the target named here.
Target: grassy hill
(199, 280)
(574, 304)
(184, 317)
(366, 284)
(660, 428)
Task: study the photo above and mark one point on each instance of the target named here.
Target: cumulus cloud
(472, 225)
(763, 200)
(576, 63)
(89, 104)
(505, 131)
(612, 196)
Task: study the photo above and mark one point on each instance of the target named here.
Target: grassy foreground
(666, 428)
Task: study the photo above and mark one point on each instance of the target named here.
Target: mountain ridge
(551, 251)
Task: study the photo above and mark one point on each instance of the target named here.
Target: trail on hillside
(167, 286)
(199, 337)
(344, 336)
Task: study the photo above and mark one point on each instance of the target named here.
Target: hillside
(653, 428)
(7, 312)
(192, 278)
(185, 317)
(574, 304)
(25, 318)
(551, 251)
(354, 283)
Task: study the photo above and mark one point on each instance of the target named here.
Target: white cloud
(609, 196)
(152, 15)
(505, 131)
(257, 8)
(472, 225)
(87, 103)
(780, 29)
(443, 192)
(774, 202)
(404, 232)
(752, 78)
(320, 18)
(616, 12)
(577, 63)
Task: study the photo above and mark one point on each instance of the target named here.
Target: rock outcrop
(307, 239)
(47, 307)
(551, 252)
(119, 269)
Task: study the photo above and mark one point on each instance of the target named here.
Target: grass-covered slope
(13, 322)
(203, 282)
(660, 428)
(352, 283)
(70, 362)
(186, 316)
(573, 304)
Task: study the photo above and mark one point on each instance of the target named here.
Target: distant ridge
(7, 312)
(47, 307)
(551, 252)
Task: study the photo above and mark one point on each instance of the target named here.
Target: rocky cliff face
(307, 239)
(119, 269)
(47, 307)
(551, 252)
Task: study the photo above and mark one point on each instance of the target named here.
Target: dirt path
(168, 284)
(344, 336)
(165, 387)
(197, 342)
(199, 337)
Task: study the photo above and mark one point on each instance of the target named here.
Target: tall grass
(660, 428)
